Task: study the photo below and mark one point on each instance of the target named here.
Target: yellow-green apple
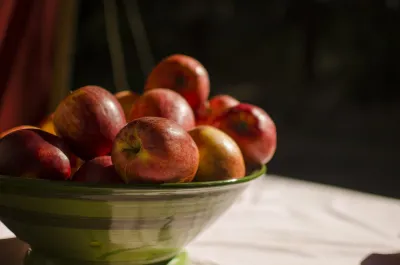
(98, 170)
(34, 153)
(220, 156)
(163, 103)
(88, 120)
(155, 150)
(183, 74)
(76, 163)
(47, 124)
(126, 98)
(214, 108)
(252, 129)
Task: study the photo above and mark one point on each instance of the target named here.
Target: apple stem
(180, 80)
(242, 126)
(133, 149)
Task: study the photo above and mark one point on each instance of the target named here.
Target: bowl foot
(36, 258)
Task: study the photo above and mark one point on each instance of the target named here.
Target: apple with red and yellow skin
(34, 153)
(20, 127)
(126, 98)
(252, 129)
(99, 170)
(220, 156)
(48, 125)
(163, 103)
(214, 108)
(155, 150)
(183, 74)
(75, 161)
(88, 120)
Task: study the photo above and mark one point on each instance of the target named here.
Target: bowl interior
(108, 224)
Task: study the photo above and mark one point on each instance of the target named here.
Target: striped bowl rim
(52, 186)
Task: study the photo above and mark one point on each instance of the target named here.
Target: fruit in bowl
(220, 156)
(99, 170)
(20, 127)
(215, 107)
(183, 74)
(88, 120)
(132, 188)
(34, 153)
(155, 150)
(164, 103)
(252, 129)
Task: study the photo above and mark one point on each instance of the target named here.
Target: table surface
(281, 221)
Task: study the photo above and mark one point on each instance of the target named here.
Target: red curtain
(26, 60)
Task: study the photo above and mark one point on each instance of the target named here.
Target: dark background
(326, 71)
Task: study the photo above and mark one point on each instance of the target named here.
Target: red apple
(221, 103)
(47, 125)
(220, 156)
(214, 108)
(252, 129)
(88, 120)
(34, 153)
(163, 103)
(155, 150)
(97, 170)
(183, 74)
(202, 113)
(20, 127)
(126, 98)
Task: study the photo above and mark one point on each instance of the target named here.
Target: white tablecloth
(279, 221)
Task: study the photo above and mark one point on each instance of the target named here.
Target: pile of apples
(171, 133)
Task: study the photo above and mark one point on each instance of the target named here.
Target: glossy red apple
(155, 150)
(88, 120)
(252, 129)
(47, 125)
(34, 153)
(98, 170)
(183, 74)
(214, 108)
(164, 103)
(20, 127)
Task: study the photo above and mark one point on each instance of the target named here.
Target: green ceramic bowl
(86, 224)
